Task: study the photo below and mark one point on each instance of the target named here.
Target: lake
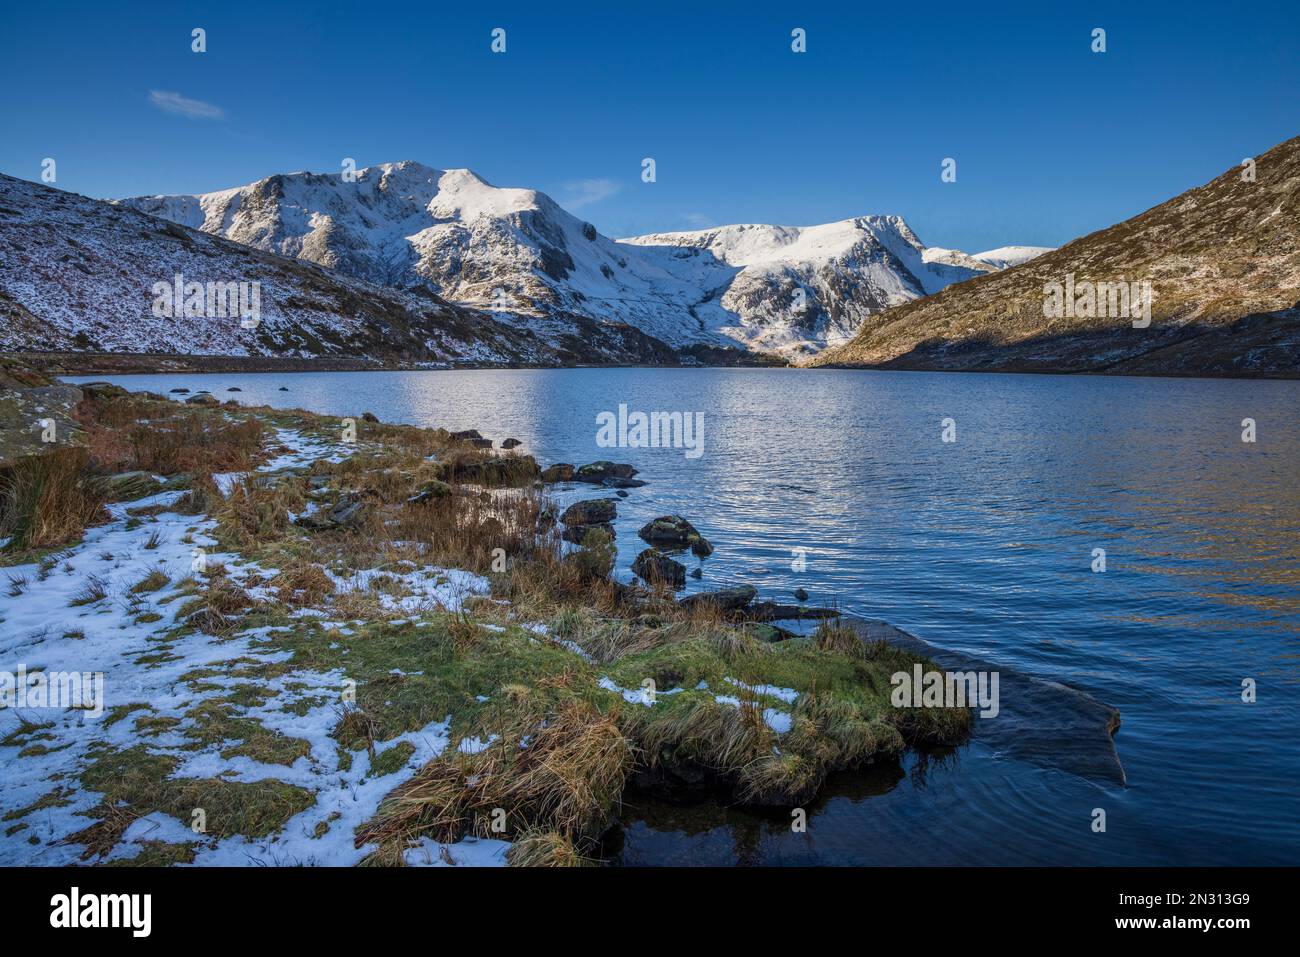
(840, 482)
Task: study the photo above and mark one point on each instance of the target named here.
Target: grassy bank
(352, 642)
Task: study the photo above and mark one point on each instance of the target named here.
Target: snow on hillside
(79, 274)
(1004, 257)
(517, 253)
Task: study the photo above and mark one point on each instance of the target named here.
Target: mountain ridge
(1222, 263)
(518, 253)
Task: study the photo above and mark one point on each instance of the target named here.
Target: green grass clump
(136, 782)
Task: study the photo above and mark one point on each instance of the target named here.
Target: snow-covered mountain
(516, 253)
(82, 275)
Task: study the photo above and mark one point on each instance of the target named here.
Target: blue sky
(1051, 140)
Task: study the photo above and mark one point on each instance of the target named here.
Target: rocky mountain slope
(515, 251)
(78, 274)
(1223, 266)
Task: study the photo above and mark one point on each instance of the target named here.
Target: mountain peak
(788, 289)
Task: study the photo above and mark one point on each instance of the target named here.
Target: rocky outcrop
(674, 533)
(36, 413)
(560, 472)
(656, 568)
(596, 511)
(343, 512)
(599, 472)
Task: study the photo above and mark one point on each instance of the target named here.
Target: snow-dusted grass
(287, 692)
(165, 688)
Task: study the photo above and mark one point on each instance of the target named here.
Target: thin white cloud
(184, 106)
(584, 192)
(698, 220)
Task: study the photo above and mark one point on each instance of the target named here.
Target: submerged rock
(178, 391)
(234, 388)
(774, 611)
(800, 595)
(654, 567)
(674, 532)
(622, 483)
(725, 599)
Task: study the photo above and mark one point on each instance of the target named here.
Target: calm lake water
(984, 546)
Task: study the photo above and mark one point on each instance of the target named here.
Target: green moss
(215, 722)
(142, 782)
(391, 760)
(157, 854)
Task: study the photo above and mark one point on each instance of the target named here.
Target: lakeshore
(333, 647)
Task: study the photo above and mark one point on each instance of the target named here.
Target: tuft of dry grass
(203, 496)
(49, 500)
(835, 637)
(303, 585)
(544, 849)
(217, 609)
(564, 782)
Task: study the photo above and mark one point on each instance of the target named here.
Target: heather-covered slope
(1223, 263)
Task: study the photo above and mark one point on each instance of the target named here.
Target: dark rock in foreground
(597, 511)
(203, 398)
(560, 472)
(674, 532)
(655, 568)
(346, 510)
(102, 390)
(597, 472)
(510, 443)
(473, 438)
